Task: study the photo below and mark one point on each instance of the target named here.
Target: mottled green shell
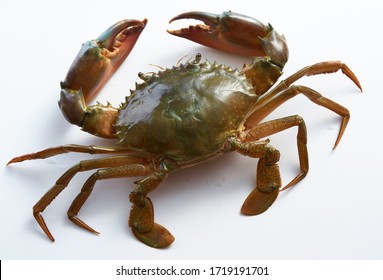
(185, 113)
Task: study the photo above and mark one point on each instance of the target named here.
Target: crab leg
(325, 67)
(141, 218)
(142, 214)
(53, 151)
(65, 179)
(268, 176)
(116, 171)
(281, 97)
(274, 126)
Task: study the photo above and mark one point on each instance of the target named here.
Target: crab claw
(98, 59)
(95, 63)
(235, 33)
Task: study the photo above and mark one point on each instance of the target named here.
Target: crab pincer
(95, 63)
(235, 33)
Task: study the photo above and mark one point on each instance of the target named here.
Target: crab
(183, 116)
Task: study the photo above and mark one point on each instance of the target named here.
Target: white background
(336, 212)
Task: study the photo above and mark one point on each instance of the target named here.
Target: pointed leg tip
(357, 83)
(360, 87)
(40, 220)
(95, 232)
(15, 160)
(24, 158)
(82, 224)
(348, 72)
(335, 145)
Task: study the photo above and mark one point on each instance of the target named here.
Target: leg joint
(260, 149)
(272, 155)
(149, 183)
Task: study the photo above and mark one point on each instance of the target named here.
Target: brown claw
(95, 63)
(235, 33)
(228, 31)
(98, 59)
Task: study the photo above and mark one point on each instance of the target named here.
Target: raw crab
(185, 115)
